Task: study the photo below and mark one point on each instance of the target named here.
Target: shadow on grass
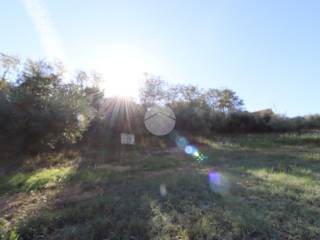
(96, 203)
(133, 208)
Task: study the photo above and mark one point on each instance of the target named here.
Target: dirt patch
(167, 151)
(115, 168)
(75, 193)
(180, 170)
(17, 206)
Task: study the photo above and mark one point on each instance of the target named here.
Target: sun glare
(122, 70)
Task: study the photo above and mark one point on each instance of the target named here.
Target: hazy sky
(267, 51)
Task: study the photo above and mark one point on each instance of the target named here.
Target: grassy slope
(271, 191)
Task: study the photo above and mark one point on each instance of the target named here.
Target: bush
(40, 111)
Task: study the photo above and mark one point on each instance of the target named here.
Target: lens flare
(181, 142)
(196, 154)
(184, 145)
(218, 183)
(163, 190)
(190, 150)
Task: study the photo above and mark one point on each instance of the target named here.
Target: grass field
(259, 187)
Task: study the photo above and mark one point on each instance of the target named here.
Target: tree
(8, 66)
(153, 91)
(228, 101)
(82, 78)
(211, 97)
(173, 94)
(46, 111)
(191, 94)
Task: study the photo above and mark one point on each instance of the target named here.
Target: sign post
(128, 139)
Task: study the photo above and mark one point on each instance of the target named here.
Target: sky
(267, 51)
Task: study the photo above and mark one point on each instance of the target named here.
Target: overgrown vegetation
(64, 175)
(41, 109)
(272, 193)
(34, 181)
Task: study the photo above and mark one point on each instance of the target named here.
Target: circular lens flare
(218, 183)
(190, 150)
(181, 142)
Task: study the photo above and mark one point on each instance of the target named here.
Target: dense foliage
(38, 110)
(220, 111)
(41, 109)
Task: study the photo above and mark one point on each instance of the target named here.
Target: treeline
(207, 111)
(41, 109)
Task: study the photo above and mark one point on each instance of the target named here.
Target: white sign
(127, 138)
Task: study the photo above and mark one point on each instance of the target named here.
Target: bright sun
(122, 70)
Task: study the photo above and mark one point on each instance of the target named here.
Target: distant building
(263, 112)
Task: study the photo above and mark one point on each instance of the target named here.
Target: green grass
(91, 176)
(296, 139)
(157, 163)
(36, 180)
(273, 192)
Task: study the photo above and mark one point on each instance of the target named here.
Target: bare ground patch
(17, 206)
